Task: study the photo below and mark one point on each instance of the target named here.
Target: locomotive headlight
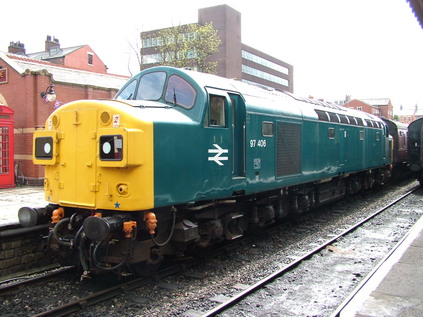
(119, 147)
(44, 148)
(111, 148)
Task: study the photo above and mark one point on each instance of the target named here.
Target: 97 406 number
(258, 143)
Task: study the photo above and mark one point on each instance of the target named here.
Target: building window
(90, 58)
(262, 61)
(260, 74)
(360, 108)
(152, 58)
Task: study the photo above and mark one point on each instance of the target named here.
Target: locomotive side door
(238, 135)
(342, 139)
(224, 135)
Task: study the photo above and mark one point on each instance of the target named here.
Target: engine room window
(151, 86)
(331, 133)
(352, 120)
(267, 129)
(180, 92)
(361, 135)
(217, 112)
(377, 136)
(333, 117)
(343, 118)
(322, 115)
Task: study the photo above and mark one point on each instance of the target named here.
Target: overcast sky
(363, 48)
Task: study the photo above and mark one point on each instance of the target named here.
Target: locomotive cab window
(128, 92)
(151, 86)
(180, 92)
(216, 116)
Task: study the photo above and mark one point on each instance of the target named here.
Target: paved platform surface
(11, 199)
(396, 287)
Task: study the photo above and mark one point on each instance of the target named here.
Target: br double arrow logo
(218, 151)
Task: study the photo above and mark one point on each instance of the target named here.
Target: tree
(187, 45)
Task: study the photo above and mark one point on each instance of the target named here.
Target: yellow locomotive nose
(83, 146)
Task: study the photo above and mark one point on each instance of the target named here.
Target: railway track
(90, 300)
(231, 303)
(41, 274)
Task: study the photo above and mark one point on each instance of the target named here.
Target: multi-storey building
(234, 59)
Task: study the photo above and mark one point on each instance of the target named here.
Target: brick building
(408, 115)
(381, 107)
(81, 57)
(235, 59)
(75, 74)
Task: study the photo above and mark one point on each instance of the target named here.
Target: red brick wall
(359, 105)
(79, 59)
(22, 94)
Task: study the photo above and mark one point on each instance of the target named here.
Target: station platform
(395, 286)
(11, 199)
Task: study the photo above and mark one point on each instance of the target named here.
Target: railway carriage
(399, 133)
(181, 160)
(415, 155)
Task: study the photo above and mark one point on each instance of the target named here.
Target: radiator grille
(288, 155)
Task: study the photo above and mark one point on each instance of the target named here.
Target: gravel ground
(225, 275)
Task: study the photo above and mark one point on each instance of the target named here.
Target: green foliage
(187, 46)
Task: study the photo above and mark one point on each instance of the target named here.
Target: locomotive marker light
(218, 158)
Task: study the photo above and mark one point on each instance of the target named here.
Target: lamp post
(49, 94)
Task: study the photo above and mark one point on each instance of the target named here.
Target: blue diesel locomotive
(181, 160)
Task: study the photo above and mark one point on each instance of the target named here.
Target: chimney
(17, 48)
(51, 43)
